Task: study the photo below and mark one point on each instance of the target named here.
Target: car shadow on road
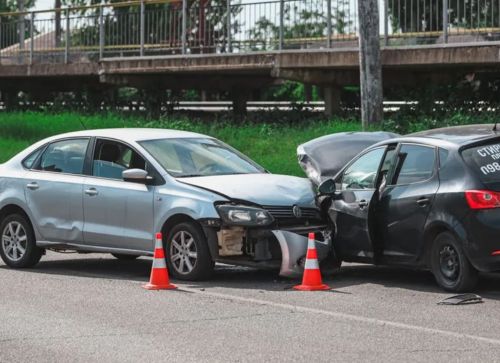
(348, 276)
(100, 267)
(408, 279)
(247, 278)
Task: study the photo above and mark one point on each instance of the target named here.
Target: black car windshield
(191, 157)
(485, 160)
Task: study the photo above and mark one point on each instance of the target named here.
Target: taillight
(482, 199)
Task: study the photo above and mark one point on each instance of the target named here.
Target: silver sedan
(111, 190)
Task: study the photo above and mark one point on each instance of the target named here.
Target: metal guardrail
(173, 27)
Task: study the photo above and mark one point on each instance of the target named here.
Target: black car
(430, 199)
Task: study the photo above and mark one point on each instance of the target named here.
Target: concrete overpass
(240, 74)
(58, 61)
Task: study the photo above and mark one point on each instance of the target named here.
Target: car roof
(128, 135)
(457, 135)
(133, 134)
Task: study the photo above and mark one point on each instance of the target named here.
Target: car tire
(330, 266)
(188, 256)
(18, 247)
(450, 266)
(120, 256)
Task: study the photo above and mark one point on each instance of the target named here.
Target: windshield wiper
(222, 174)
(189, 175)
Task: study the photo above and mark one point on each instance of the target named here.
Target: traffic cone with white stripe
(159, 274)
(311, 280)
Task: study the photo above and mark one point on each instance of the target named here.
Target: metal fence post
(67, 38)
(1, 46)
(32, 43)
(329, 23)
(282, 24)
(101, 31)
(229, 30)
(184, 26)
(445, 21)
(386, 22)
(142, 27)
(22, 30)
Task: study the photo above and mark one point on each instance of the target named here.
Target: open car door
(353, 204)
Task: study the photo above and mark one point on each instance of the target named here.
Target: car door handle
(33, 186)
(423, 202)
(91, 191)
(363, 204)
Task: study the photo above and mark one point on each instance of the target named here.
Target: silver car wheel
(183, 252)
(14, 241)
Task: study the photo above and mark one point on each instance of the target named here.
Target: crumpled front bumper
(294, 248)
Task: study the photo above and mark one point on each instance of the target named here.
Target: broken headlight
(244, 216)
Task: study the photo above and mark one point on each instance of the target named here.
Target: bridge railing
(189, 27)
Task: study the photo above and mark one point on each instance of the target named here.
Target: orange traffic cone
(159, 273)
(311, 280)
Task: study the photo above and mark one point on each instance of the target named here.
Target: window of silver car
(416, 164)
(190, 157)
(66, 156)
(29, 161)
(111, 158)
(362, 173)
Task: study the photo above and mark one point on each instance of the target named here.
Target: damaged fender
(293, 249)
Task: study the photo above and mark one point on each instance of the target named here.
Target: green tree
(301, 20)
(9, 24)
(206, 25)
(424, 15)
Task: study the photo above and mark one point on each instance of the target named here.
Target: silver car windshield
(191, 157)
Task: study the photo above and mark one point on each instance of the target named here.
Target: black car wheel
(124, 257)
(330, 265)
(188, 256)
(450, 266)
(18, 245)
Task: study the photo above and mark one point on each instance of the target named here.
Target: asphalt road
(92, 308)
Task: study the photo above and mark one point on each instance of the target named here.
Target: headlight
(244, 216)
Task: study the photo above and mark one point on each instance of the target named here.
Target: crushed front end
(266, 237)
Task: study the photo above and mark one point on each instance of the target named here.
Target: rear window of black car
(485, 160)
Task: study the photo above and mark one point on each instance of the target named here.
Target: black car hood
(324, 157)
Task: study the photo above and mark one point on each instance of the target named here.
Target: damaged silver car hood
(262, 189)
(324, 157)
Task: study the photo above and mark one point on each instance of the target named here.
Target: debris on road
(462, 299)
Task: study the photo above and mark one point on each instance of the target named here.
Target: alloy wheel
(14, 241)
(449, 262)
(183, 252)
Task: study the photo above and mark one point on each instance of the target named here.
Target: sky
(44, 4)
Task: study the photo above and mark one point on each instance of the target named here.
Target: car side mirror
(136, 176)
(327, 187)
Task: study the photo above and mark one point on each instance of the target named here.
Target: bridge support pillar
(332, 100)
(240, 100)
(9, 99)
(308, 92)
(153, 102)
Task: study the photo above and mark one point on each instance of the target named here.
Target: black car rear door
(352, 205)
(405, 201)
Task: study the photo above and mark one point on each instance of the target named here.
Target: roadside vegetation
(272, 141)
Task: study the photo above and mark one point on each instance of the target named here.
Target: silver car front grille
(287, 213)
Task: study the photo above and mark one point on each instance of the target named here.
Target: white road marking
(345, 316)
